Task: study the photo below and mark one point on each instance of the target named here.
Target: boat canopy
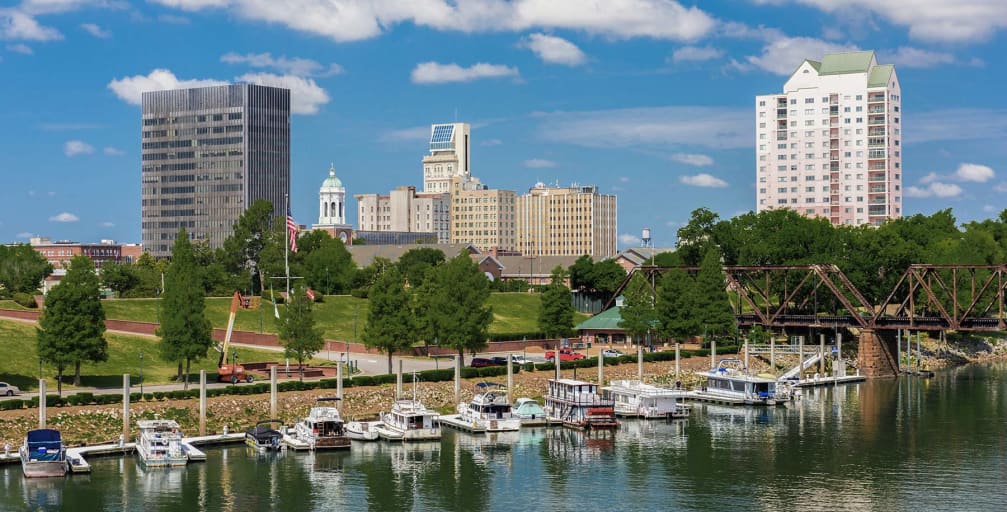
(44, 444)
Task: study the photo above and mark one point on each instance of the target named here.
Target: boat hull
(43, 469)
(362, 430)
(163, 462)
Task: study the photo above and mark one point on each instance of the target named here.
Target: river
(906, 444)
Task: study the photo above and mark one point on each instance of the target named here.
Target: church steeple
(332, 200)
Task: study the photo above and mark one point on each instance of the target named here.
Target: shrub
(25, 300)
(360, 293)
(159, 395)
(8, 405)
(437, 375)
(148, 396)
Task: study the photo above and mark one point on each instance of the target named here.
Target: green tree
(328, 268)
(22, 268)
(251, 234)
(676, 305)
(296, 329)
(416, 263)
(712, 303)
(555, 312)
(72, 326)
(638, 316)
(456, 312)
(389, 318)
(696, 236)
(580, 273)
(119, 277)
(606, 276)
(185, 331)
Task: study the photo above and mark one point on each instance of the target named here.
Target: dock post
(557, 360)
(713, 354)
(919, 353)
(458, 380)
(840, 368)
(41, 403)
(639, 363)
(202, 402)
(398, 381)
(821, 354)
(125, 407)
(678, 357)
(772, 353)
(272, 391)
(898, 351)
(510, 378)
(800, 357)
(339, 386)
(746, 355)
(601, 369)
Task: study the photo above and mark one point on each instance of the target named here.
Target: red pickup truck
(565, 354)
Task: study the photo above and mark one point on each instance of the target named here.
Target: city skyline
(652, 101)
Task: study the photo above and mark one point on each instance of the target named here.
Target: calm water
(896, 445)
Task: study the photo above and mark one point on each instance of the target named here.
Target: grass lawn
(20, 360)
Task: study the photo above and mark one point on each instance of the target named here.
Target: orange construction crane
(234, 372)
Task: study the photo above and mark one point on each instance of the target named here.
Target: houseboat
(635, 399)
(489, 410)
(409, 420)
(729, 383)
(160, 444)
(323, 428)
(264, 437)
(530, 412)
(43, 454)
(362, 430)
(576, 404)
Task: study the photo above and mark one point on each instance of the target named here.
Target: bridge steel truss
(926, 297)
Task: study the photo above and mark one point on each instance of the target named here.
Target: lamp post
(141, 372)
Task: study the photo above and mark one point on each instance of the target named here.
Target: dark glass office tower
(209, 153)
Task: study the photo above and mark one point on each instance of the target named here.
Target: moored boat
(362, 430)
(160, 444)
(264, 437)
(576, 404)
(489, 410)
(323, 428)
(730, 383)
(529, 411)
(43, 454)
(409, 420)
(635, 399)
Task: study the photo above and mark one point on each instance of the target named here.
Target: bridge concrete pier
(876, 354)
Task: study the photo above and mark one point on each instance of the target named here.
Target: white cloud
(107, 224)
(539, 163)
(935, 189)
(350, 20)
(703, 180)
(692, 159)
(110, 151)
(1001, 187)
(19, 25)
(96, 31)
(24, 234)
(783, 55)
(171, 18)
(969, 124)
(554, 50)
(64, 217)
(931, 176)
(623, 179)
(629, 239)
(909, 57)
(696, 53)
(436, 73)
(930, 20)
(292, 65)
(989, 208)
(491, 142)
(21, 48)
(131, 88)
(77, 147)
(305, 95)
(974, 172)
(659, 127)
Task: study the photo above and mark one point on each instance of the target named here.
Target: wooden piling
(41, 403)
(125, 407)
(272, 392)
(458, 380)
(202, 402)
(821, 354)
(601, 369)
(510, 378)
(398, 381)
(639, 363)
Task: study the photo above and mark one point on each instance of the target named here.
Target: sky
(651, 100)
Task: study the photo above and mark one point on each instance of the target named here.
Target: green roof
(815, 64)
(880, 75)
(608, 319)
(847, 62)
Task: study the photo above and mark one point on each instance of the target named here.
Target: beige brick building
(403, 210)
(566, 221)
(482, 216)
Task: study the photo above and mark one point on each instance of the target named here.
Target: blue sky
(652, 100)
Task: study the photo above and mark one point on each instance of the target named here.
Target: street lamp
(141, 372)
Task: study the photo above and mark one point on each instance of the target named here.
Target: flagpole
(286, 244)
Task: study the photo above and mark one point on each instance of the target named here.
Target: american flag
(311, 294)
(292, 231)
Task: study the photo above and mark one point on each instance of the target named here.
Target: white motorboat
(529, 411)
(635, 399)
(160, 444)
(362, 430)
(323, 428)
(489, 410)
(43, 454)
(264, 437)
(409, 420)
(577, 405)
(730, 383)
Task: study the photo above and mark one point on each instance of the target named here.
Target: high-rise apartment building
(449, 157)
(830, 144)
(482, 216)
(567, 221)
(403, 210)
(209, 153)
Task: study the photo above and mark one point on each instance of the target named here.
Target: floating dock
(827, 381)
(455, 421)
(294, 443)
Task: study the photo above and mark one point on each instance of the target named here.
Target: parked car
(9, 389)
(518, 359)
(565, 354)
(611, 352)
(481, 362)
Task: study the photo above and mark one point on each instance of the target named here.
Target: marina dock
(828, 380)
(455, 421)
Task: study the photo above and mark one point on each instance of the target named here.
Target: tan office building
(404, 210)
(567, 221)
(482, 216)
